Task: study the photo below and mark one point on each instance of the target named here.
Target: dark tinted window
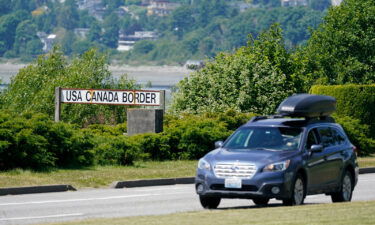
(327, 137)
(339, 138)
(311, 139)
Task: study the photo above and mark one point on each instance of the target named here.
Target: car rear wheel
(209, 202)
(261, 201)
(298, 192)
(346, 190)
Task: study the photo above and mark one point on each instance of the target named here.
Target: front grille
(235, 170)
(220, 187)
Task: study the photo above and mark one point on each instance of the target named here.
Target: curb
(36, 189)
(183, 180)
(367, 170)
(152, 182)
(117, 184)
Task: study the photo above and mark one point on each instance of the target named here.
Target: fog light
(200, 188)
(275, 190)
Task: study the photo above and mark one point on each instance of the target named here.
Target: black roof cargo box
(306, 105)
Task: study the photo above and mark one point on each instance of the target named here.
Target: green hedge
(356, 101)
(33, 141)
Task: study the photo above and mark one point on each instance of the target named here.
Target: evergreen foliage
(256, 78)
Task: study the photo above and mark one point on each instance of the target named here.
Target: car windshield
(268, 138)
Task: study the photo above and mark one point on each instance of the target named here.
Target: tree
(319, 4)
(4, 7)
(342, 49)
(33, 88)
(67, 42)
(81, 46)
(256, 78)
(8, 26)
(144, 47)
(25, 32)
(34, 47)
(182, 20)
(68, 15)
(94, 33)
(111, 31)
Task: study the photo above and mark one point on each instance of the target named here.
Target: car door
(336, 155)
(332, 155)
(316, 167)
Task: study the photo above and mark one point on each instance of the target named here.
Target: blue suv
(299, 152)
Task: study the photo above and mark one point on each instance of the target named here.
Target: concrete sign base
(144, 121)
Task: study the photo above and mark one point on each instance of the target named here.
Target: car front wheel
(209, 202)
(346, 190)
(298, 192)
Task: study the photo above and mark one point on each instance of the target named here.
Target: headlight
(203, 165)
(279, 166)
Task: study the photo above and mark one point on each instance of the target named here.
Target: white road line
(41, 217)
(77, 200)
(88, 199)
(162, 189)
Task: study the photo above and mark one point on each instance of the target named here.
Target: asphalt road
(94, 203)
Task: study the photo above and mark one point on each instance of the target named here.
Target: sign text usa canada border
(110, 97)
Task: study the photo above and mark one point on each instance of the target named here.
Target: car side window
(327, 137)
(311, 139)
(339, 138)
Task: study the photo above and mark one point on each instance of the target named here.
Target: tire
(261, 201)
(346, 189)
(298, 192)
(209, 202)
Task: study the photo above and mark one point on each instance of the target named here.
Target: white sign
(112, 97)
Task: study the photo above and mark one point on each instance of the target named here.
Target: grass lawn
(103, 176)
(343, 213)
(100, 176)
(366, 161)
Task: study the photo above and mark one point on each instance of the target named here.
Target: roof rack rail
(256, 118)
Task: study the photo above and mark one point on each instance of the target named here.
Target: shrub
(356, 101)
(119, 150)
(156, 146)
(357, 134)
(193, 136)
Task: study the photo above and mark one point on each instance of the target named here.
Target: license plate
(233, 183)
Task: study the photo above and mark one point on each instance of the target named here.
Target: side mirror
(316, 148)
(219, 144)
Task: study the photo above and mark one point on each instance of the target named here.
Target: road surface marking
(78, 200)
(41, 217)
(88, 199)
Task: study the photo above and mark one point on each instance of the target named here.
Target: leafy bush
(357, 134)
(32, 140)
(116, 150)
(155, 146)
(357, 101)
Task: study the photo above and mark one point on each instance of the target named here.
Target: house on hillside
(336, 2)
(48, 40)
(287, 3)
(94, 7)
(161, 7)
(126, 42)
(81, 32)
(241, 6)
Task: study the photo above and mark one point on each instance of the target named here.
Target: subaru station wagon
(301, 151)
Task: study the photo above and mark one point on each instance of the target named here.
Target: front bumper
(260, 185)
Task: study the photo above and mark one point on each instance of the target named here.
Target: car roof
(285, 122)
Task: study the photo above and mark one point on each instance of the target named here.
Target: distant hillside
(144, 31)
